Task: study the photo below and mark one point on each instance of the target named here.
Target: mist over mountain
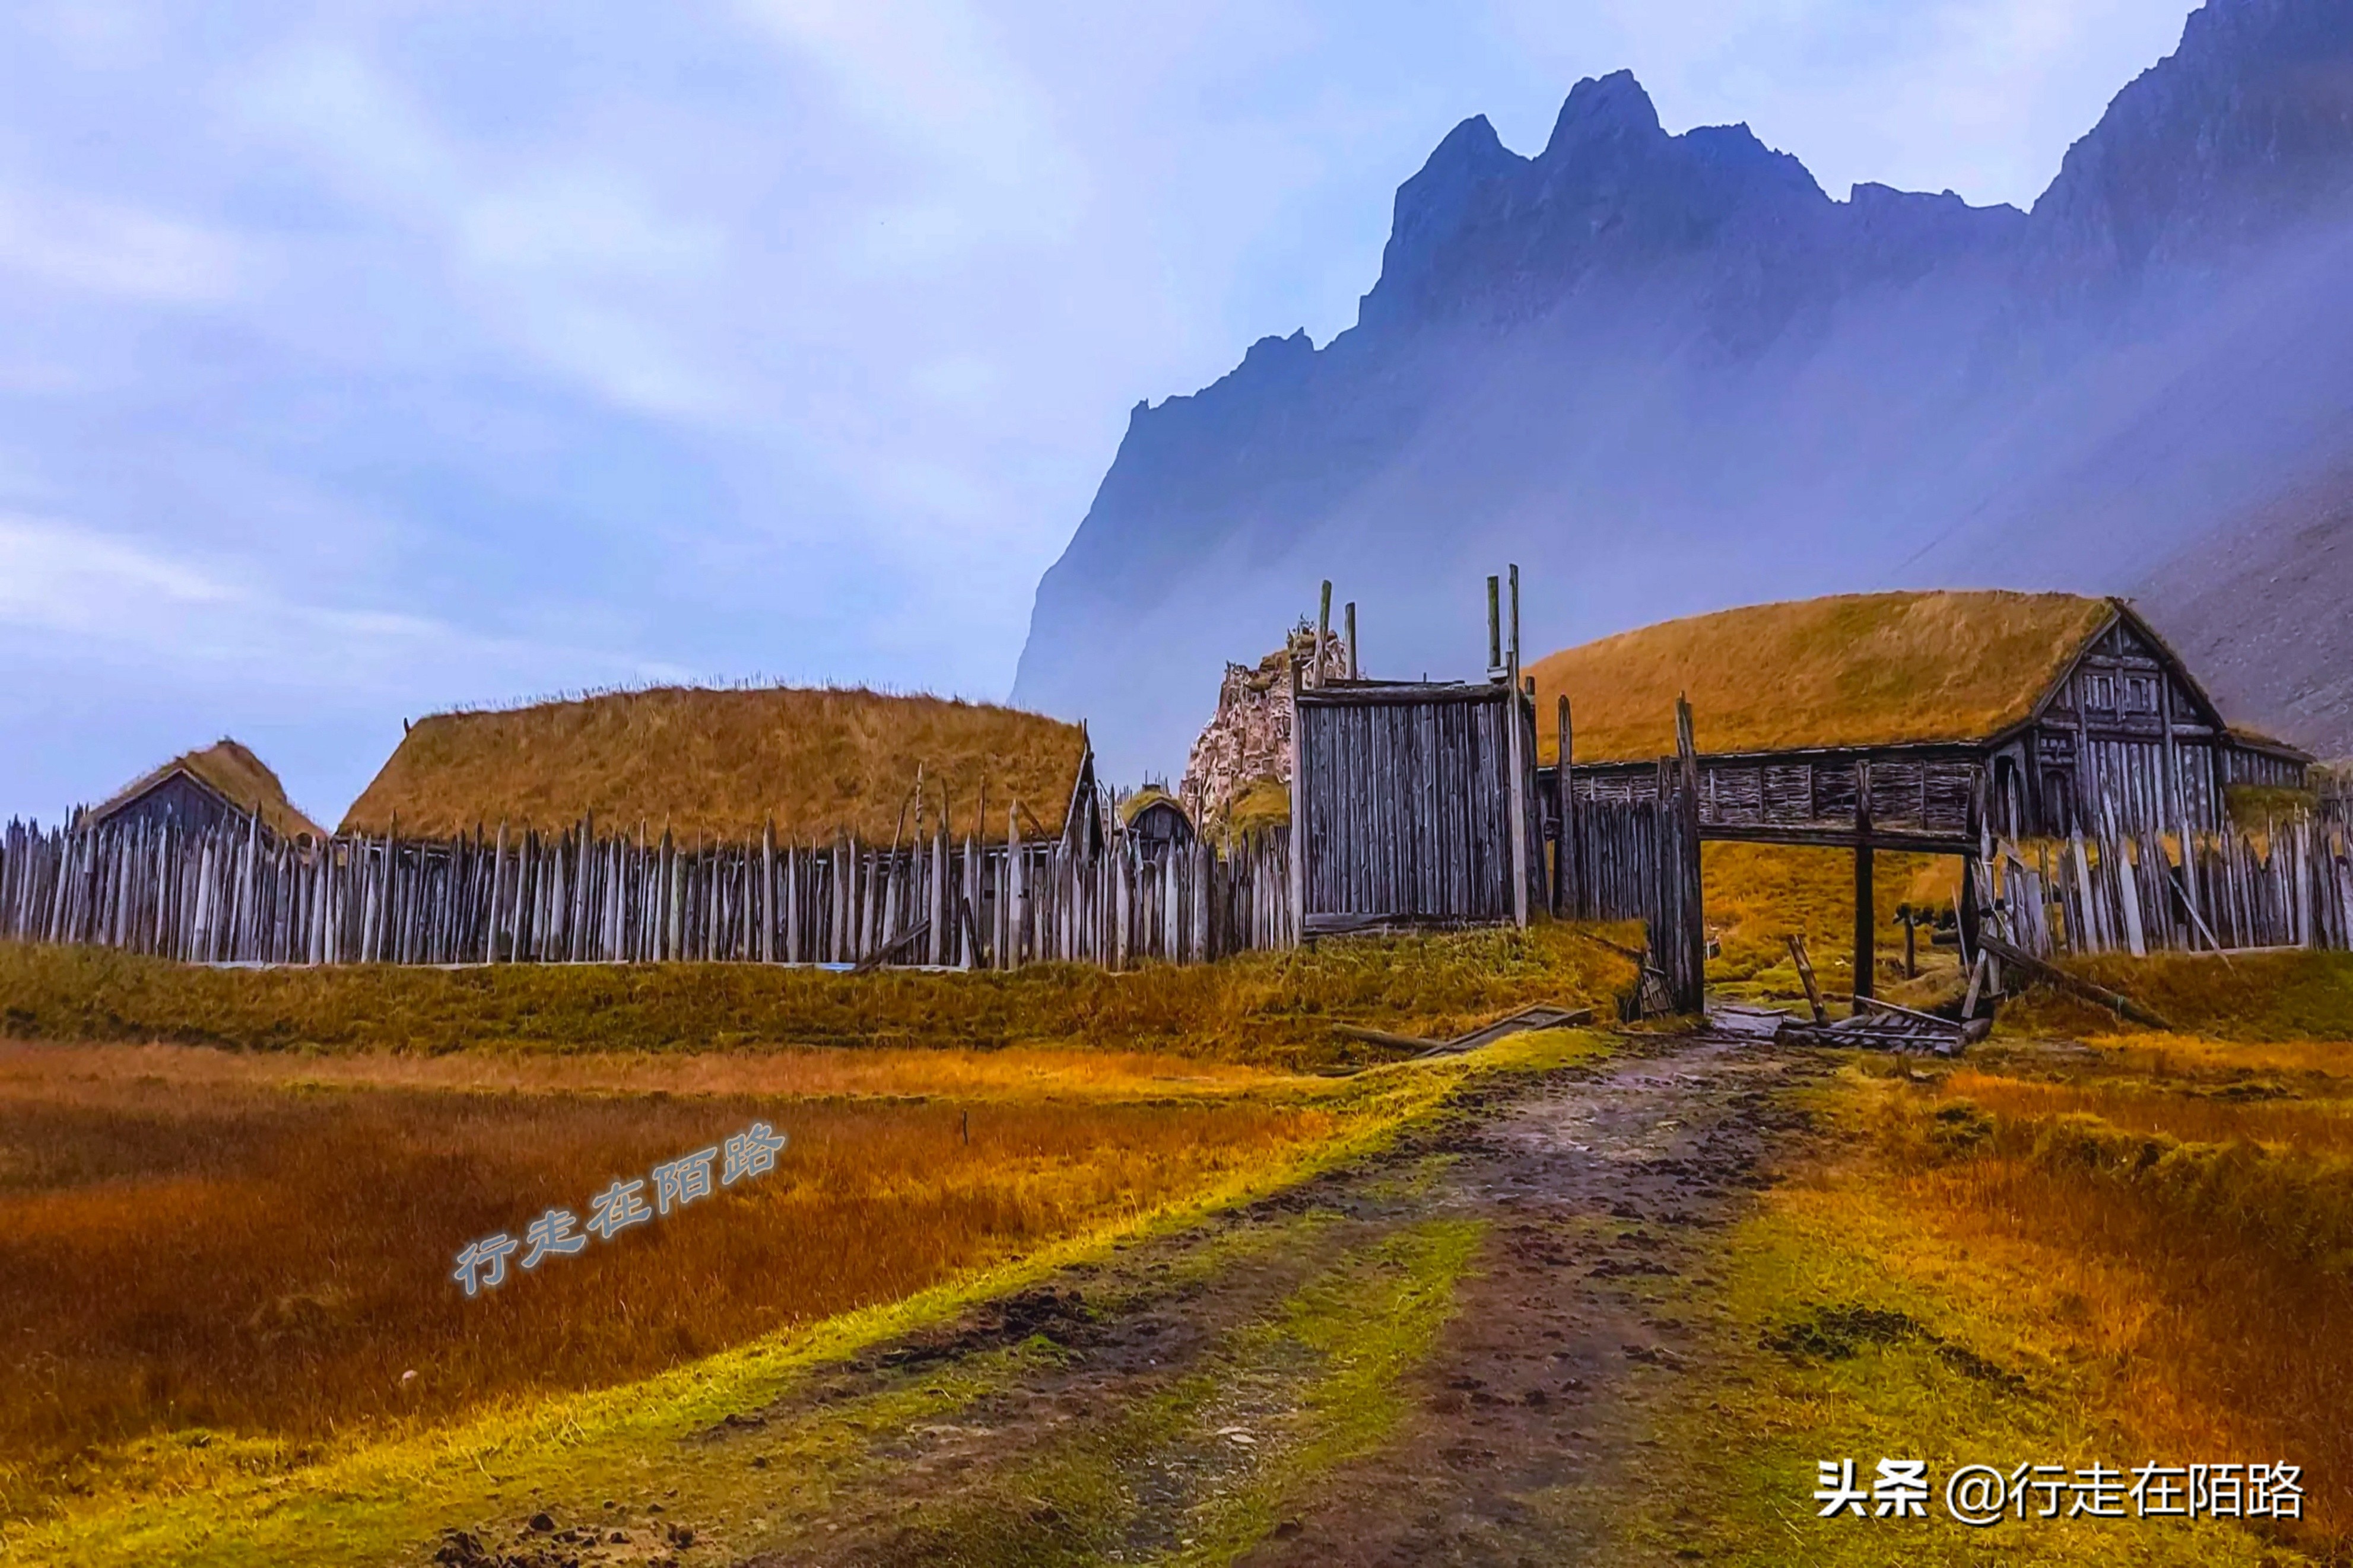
(1668, 374)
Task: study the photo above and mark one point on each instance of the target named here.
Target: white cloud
(120, 251)
(60, 578)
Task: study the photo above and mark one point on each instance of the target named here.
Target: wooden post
(1517, 761)
(1494, 626)
(1565, 785)
(1806, 977)
(1865, 925)
(1693, 935)
(1351, 618)
(1323, 635)
(1298, 810)
(1514, 570)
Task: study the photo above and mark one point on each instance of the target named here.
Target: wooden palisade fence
(2140, 893)
(233, 894)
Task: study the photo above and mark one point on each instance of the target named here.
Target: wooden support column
(1971, 913)
(1564, 852)
(1865, 925)
(1693, 935)
(1516, 759)
(1351, 620)
(1299, 834)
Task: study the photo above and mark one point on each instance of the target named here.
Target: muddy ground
(1442, 1354)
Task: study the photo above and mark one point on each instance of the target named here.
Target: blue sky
(361, 360)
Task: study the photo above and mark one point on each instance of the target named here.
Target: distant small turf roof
(1851, 669)
(717, 764)
(232, 771)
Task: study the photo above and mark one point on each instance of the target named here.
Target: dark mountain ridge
(1668, 373)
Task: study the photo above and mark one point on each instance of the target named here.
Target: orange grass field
(2191, 1246)
(262, 1245)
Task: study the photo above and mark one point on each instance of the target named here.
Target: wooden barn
(224, 782)
(1902, 714)
(1155, 822)
(726, 766)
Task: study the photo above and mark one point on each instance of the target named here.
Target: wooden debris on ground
(1543, 1016)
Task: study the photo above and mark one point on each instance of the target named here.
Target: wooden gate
(1411, 805)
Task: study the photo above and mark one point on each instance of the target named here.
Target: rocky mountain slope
(1669, 373)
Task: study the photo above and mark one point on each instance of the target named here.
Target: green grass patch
(1271, 1008)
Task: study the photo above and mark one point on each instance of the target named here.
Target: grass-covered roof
(239, 776)
(717, 764)
(1851, 669)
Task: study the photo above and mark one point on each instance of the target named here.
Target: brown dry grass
(719, 764)
(1849, 669)
(827, 1071)
(231, 768)
(184, 1250)
(2253, 997)
(1268, 1007)
(2191, 1250)
(1759, 895)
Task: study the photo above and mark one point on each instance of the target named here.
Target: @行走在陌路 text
(482, 1265)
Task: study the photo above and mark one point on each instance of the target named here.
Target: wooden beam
(1833, 837)
(2116, 1001)
(1866, 930)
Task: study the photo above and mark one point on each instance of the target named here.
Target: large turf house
(2055, 711)
(723, 766)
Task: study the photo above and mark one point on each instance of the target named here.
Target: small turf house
(724, 766)
(224, 782)
(2055, 711)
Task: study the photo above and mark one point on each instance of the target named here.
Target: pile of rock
(1248, 741)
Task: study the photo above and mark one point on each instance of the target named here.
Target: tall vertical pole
(1516, 624)
(1564, 900)
(1524, 765)
(1865, 925)
(1516, 819)
(1299, 833)
(1351, 618)
(1692, 887)
(1322, 633)
(1494, 626)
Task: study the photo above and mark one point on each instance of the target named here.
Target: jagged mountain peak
(1667, 373)
(2246, 126)
(1601, 111)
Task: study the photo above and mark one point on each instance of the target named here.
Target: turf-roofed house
(2044, 712)
(727, 767)
(223, 783)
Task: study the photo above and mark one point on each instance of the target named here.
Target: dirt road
(1442, 1354)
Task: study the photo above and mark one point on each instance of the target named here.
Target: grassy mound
(1273, 1007)
(719, 764)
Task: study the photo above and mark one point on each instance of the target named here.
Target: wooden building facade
(222, 784)
(2109, 731)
